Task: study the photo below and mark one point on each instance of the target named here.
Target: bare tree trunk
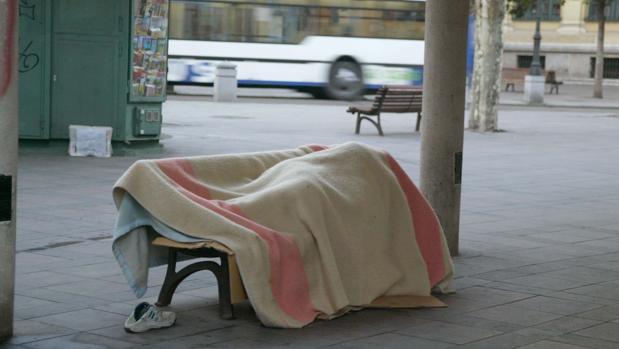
(599, 54)
(487, 68)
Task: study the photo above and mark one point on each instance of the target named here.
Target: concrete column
(572, 17)
(8, 161)
(442, 126)
(508, 23)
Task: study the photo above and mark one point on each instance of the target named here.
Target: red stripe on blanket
(289, 282)
(427, 227)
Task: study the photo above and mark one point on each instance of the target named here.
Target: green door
(86, 51)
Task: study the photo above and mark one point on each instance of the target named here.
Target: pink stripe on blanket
(289, 282)
(427, 227)
(317, 147)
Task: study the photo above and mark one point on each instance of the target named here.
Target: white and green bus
(340, 48)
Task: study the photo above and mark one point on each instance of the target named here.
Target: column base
(534, 89)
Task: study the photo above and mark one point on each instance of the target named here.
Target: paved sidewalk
(539, 263)
(571, 96)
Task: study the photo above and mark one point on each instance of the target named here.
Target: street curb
(564, 106)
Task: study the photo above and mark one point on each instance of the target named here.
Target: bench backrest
(398, 99)
(514, 73)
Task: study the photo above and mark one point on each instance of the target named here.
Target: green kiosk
(92, 63)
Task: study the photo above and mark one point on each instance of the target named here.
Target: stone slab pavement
(570, 96)
(539, 262)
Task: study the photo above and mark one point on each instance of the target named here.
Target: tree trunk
(599, 54)
(489, 15)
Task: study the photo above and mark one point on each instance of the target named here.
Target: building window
(611, 68)
(612, 11)
(551, 11)
(525, 61)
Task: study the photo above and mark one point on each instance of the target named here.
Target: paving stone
(469, 320)
(608, 313)
(49, 309)
(551, 345)
(61, 297)
(84, 320)
(606, 331)
(202, 340)
(393, 340)
(80, 341)
(90, 288)
(180, 329)
(587, 342)
(543, 281)
(514, 314)
(25, 331)
(23, 302)
(567, 324)
(489, 294)
(449, 333)
(554, 305)
(585, 274)
(41, 279)
(608, 290)
(510, 340)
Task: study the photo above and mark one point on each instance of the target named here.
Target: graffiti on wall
(8, 25)
(28, 60)
(27, 9)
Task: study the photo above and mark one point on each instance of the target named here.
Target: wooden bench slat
(399, 100)
(399, 110)
(399, 104)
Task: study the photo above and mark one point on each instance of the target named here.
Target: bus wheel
(345, 81)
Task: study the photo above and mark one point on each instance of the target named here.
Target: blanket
(316, 231)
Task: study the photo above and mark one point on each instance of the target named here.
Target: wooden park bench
(515, 76)
(389, 99)
(229, 284)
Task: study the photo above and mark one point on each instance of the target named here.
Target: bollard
(225, 82)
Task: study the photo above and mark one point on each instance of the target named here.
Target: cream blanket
(315, 230)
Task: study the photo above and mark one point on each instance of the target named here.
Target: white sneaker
(147, 317)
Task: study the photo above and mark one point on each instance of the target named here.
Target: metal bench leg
(378, 126)
(358, 127)
(169, 284)
(221, 272)
(418, 122)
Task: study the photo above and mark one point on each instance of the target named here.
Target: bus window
(291, 23)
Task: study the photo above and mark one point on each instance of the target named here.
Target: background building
(568, 41)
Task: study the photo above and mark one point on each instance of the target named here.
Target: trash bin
(225, 82)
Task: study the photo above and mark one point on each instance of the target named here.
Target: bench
(551, 79)
(389, 99)
(229, 285)
(515, 76)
